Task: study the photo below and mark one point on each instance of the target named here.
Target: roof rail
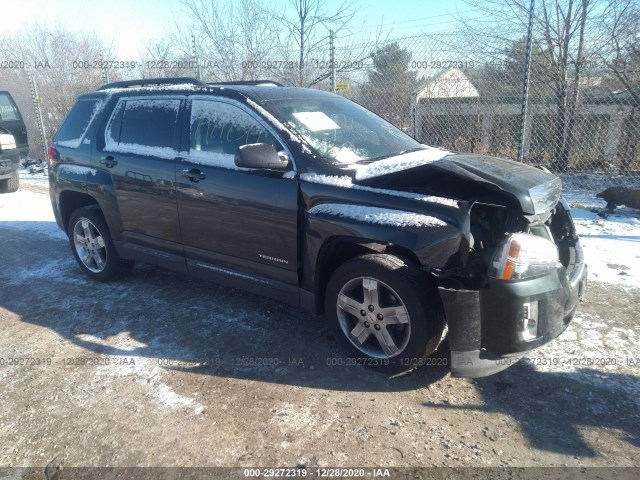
(153, 81)
(254, 83)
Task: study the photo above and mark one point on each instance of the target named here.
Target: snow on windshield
(339, 130)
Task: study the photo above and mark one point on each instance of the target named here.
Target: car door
(234, 220)
(140, 150)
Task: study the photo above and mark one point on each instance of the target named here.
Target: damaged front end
(518, 290)
(518, 285)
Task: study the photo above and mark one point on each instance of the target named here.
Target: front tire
(93, 247)
(385, 312)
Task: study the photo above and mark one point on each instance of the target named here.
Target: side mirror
(260, 155)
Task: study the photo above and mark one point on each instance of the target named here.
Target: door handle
(193, 174)
(109, 161)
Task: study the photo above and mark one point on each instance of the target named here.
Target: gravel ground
(162, 370)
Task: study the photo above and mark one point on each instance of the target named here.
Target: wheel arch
(337, 250)
(70, 201)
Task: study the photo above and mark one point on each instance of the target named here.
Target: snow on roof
(155, 88)
(451, 83)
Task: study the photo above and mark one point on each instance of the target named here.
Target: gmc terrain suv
(306, 197)
(13, 143)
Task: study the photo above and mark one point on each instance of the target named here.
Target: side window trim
(123, 100)
(99, 104)
(245, 109)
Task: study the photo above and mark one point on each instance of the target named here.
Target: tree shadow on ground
(552, 407)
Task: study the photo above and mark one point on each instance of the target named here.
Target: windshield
(342, 131)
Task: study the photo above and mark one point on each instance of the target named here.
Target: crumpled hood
(471, 176)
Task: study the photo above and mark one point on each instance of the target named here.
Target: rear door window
(77, 122)
(144, 126)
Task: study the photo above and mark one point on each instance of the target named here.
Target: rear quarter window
(77, 122)
(8, 110)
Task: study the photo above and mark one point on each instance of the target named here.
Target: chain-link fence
(447, 92)
(452, 90)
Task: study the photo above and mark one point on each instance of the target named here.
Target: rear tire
(93, 247)
(11, 184)
(385, 312)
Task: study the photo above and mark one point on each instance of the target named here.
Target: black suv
(306, 197)
(13, 143)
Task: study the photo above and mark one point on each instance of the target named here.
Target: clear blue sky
(129, 24)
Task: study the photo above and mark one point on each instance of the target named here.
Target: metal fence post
(36, 104)
(525, 86)
(332, 61)
(195, 55)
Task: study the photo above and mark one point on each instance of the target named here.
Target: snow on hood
(346, 182)
(400, 162)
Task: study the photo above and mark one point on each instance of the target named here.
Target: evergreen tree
(390, 85)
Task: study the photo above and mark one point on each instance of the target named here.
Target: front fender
(435, 246)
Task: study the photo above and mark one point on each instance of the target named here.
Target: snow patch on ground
(590, 344)
(33, 178)
(382, 216)
(51, 269)
(611, 246)
(121, 341)
(582, 189)
(31, 211)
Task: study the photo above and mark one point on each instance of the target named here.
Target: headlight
(7, 141)
(524, 256)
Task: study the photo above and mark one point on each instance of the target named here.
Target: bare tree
(235, 40)
(560, 28)
(621, 28)
(64, 65)
(162, 57)
(307, 28)
(621, 56)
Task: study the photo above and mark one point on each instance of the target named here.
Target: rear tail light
(51, 152)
